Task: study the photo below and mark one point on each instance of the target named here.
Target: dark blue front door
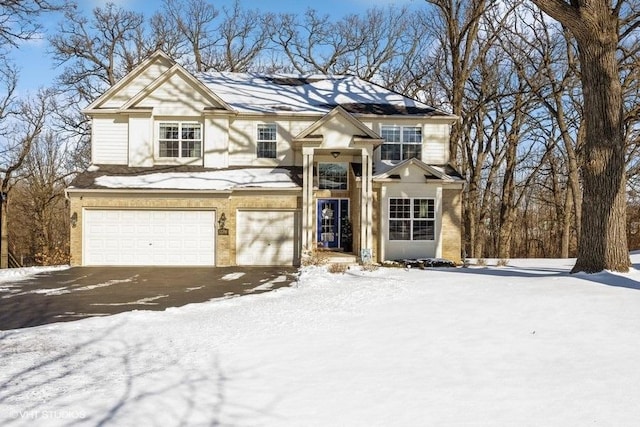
(328, 223)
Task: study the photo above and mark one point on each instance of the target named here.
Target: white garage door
(267, 238)
(146, 237)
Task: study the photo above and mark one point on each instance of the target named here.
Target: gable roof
(341, 112)
(431, 172)
(156, 56)
(310, 94)
(179, 70)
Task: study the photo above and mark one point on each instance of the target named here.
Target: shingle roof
(312, 94)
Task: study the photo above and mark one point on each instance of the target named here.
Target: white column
(307, 198)
(366, 206)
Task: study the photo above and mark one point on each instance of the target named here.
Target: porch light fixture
(74, 219)
(222, 220)
(335, 154)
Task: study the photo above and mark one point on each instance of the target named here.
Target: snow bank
(522, 345)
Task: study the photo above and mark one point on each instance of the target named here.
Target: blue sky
(36, 69)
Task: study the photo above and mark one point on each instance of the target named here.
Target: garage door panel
(141, 237)
(266, 238)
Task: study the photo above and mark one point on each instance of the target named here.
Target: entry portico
(338, 137)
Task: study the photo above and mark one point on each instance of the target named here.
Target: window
(180, 140)
(412, 219)
(267, 143)
(332, 176)
(401, 142)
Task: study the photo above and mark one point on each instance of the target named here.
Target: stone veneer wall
(452, 224)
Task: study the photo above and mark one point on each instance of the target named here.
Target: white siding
(109, 140)
(140, 141)
(177, 97)
(216, 142)
(435, 146)
(137, 84)
(242, 142)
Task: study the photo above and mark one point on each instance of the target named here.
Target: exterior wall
(435, 137)
(109, 140)
(222, 203)
(452, 224)
(140, 140)
(401, 249)
(243, 135)
(177, 97)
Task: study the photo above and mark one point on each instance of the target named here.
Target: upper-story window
(178, 139)
(267, 144)
(401, 142)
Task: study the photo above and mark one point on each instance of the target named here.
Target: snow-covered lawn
(522, 345)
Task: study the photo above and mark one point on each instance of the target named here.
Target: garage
(267, 237)
(149, 237)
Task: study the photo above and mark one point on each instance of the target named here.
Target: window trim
(412, 219)
(180, 140)
(401, 143)
(259, 141)
(346, 164)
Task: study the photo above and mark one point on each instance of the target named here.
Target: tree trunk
(603, 240)
(603, 237)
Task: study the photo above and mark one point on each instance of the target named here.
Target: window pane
(412, 135)
(390, 152)
(424, 208)
(267, 149)
(411, 150)
(169, 148)
(267, 132)
(332, 176)
(191, 149)
(399, 230)
(169, 131)
(400, 208)
(191, 131)
(390, 133)
(423, 230)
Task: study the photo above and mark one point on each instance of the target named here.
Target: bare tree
(598, 29)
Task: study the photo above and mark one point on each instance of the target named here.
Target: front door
(328, 223)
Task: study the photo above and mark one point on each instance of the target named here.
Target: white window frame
(260, 141)
(401, 143)
(346, 166)
(180, 140)
(412, 219)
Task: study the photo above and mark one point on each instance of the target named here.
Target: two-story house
(245, 169)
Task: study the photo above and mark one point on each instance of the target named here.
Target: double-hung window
(267, 144)
(180, 139)
(401, 142)
(412, 219)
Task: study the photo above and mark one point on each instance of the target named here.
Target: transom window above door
(177, 139)
(401, 142)
(332, 176)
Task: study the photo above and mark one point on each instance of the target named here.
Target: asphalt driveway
(78, 292)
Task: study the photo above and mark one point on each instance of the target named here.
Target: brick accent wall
(452, 224)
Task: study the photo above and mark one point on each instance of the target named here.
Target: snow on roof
(208, 180)
(249, 92)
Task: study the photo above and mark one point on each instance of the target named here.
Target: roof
(187, 178)
(312, 94)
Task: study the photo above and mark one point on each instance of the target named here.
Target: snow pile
(212, 180)
(9, 275)
(523, 345)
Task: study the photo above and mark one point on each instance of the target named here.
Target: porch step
(339, 258)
